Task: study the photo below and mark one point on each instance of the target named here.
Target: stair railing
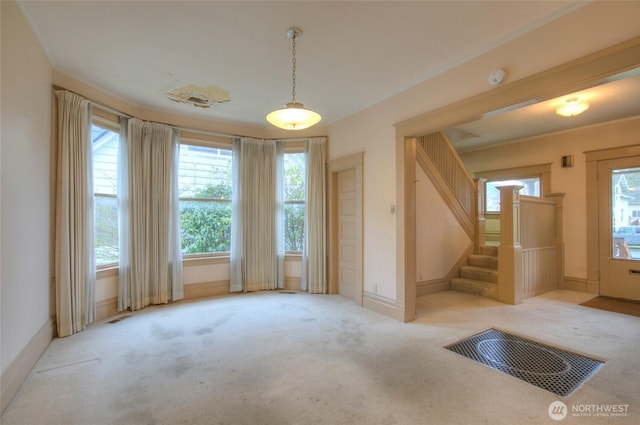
(439, 159)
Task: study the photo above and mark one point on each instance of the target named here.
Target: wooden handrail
(446, 160)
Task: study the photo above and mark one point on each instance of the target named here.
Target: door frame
(336, 166)
(593, 159)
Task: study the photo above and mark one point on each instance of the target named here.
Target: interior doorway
(619, 227)
(345, 227)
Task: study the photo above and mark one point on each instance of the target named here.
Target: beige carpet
(277, 358)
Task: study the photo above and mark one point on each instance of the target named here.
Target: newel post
(478, 216)
(510, 250)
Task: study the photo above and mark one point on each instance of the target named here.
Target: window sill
(107, 271)
(203, 261)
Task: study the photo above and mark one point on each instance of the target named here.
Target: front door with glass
(619, 227)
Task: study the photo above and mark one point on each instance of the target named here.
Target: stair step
(471, 286)
(482, 260)
(491, 250)
(479, 273)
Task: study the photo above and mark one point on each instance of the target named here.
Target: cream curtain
(314, 278)
(257, 248)
(152, 273)
(74, 247)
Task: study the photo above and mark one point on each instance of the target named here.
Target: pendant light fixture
(293, 116)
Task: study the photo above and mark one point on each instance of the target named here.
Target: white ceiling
(615, 99)
(351, 54)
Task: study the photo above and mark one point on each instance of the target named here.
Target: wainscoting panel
(538, 270)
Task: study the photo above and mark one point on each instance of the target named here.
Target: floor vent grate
(549, 368)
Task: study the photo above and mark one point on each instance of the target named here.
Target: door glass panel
(625, 213)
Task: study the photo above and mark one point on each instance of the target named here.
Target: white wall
(571, 181)
(25, 134)
(591, 28)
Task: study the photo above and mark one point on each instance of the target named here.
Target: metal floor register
(549, 368)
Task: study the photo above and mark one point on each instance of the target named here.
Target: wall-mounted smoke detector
(201, 97)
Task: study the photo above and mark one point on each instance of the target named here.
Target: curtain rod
(191, 130)
(94, 103)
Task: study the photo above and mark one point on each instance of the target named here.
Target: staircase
(480, 276)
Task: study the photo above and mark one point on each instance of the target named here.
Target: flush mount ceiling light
(293, 116)
(572, 107)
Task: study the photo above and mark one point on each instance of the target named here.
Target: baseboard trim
(431, 287)
(206, 289)
(386, 306)
(106, 308)
(15, 374)
(575, 284)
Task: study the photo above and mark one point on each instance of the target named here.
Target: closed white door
(348, 236)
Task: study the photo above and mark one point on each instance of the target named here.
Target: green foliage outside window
(205, 206)
(294, 206)
(106, 229)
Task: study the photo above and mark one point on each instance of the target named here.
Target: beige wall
(571, 181)
(25, 135)
(591, 28)
(437, 228)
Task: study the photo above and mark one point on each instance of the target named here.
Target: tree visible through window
(104, 144)
(294, 203)
(205, 199)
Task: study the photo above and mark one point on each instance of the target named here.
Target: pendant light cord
(293, 73)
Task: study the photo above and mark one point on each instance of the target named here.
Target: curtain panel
(314, 276)
(74, 238)
(150, 256)
(257, 245)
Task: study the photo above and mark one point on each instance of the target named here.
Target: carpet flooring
(615, 305)
(276, 358)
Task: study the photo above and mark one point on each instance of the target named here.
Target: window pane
(294, 177)
(205, 226)
(106, 229)
(105, 174)
(293, 227)
(205, 199)
(531, 188)
(204, 172)
(625, 200)
(294, 174)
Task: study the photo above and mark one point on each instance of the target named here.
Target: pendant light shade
(293, 116)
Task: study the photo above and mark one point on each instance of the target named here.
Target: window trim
(111, 122)
(211, 142)
(296, 148)
(542, 171)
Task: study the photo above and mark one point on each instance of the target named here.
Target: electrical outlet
(375, 288)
